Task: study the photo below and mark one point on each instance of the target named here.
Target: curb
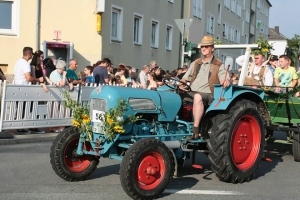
(31, 138)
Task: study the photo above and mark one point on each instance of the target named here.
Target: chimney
(277, 29)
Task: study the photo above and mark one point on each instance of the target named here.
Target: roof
(274, 35)
(269, 3)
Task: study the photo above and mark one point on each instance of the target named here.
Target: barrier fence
(29, 106)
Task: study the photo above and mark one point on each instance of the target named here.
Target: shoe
(35, 130)
(195, 136)
(23, 132)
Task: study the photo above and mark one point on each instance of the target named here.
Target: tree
(292, 48)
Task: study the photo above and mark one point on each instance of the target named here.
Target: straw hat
(207, 41)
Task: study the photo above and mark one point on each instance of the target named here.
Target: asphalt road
(26, 173)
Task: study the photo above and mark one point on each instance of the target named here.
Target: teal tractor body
(154, 146)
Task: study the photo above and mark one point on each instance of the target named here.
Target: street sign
(183, 25)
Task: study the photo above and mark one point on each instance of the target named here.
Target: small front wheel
(65, 162)
(146, 169)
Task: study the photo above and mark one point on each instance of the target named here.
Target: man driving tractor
(203, 73)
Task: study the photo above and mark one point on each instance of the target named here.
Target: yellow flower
(119, 129)
(266, 88)
(87, 120)
(264, 50)
(109, 120)
(75, 123)
(84, 117)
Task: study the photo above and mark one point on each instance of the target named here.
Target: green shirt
(71, 74)
(285, 77)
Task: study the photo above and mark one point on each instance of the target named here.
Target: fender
(230, 94)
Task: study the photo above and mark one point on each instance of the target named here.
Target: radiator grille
(98, 104)
(141, 104)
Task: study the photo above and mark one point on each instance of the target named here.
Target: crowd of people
(200, 75)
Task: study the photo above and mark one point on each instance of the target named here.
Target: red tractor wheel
(236, 142)
(64, 159)
(146, 169)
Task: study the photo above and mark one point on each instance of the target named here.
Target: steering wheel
(173, 84)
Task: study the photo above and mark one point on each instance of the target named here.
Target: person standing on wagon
(204, 73)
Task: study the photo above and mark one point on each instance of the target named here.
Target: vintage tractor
(151, 148)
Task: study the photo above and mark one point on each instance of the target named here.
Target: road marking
(213, 192)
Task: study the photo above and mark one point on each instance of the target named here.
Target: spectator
(59, 76)
(71, 75)
(158, 77)
(153, 64)
(89, 78)
(81, 76)
(120, 72)
(127, 74)
(100, 72)
(22, 76)
(143, 75)
(48, 66)
(272, 63)
(36, 69)
(110, 68)
(151, 83)
(285, 75)
(184, 70)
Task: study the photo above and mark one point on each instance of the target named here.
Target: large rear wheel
(146, 169)
(65, 162)
(236, 142)
(296, 146)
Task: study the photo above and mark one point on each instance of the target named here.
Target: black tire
(143, 158)
(296, 146)
(64, 160)
(236, 142)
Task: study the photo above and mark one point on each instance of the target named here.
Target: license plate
(98, 121)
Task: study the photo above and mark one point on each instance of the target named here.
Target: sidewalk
(29, 138)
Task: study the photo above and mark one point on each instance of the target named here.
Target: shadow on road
(101, 172)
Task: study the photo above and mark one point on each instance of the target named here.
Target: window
(169, 37)
(244, 4)
(243, 27)
(225, 30)
(239, 9)
(217, 53)
(247, 39)
(116, 23)
(231, 34)
(258, 24)
(219, 13)
(258, 4)
(233, 5)
(197, 8)
(137, 29)
(9, 15)
(227, 4)
(210, 23)
(171, 1)
(154, 33)
(247, 18)
(237, 36)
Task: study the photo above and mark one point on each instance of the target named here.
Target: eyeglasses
(204, 47)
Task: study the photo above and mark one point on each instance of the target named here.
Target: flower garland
(113, 118)
(280, 97)
(265, 47)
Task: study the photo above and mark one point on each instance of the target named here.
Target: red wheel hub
(151, 171)
(245, 142)
(74, 162)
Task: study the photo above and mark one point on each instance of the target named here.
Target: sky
(286, 15)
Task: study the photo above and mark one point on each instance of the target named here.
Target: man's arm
(29, 78)
(187, 76)
(225, 81)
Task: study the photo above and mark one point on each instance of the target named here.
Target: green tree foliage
(292, 48)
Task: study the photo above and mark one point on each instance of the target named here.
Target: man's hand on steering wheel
(177, 85)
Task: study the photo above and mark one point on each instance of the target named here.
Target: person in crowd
(81, 76)
(110, 68)
(184, 70)
(120, 72)
(133, 74)
(59, 76)
(158, 76)
(23, 76)
(143, 75)
(205, 72)
(100, 73)
(285, 75)
(151, 82)
(48, 66)
(89, 78)
(178, 72)
(153, 64)
(273, 63)
(116, 80)
(127, 74)
(71, 74)
(36, 69)
(257, 75)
